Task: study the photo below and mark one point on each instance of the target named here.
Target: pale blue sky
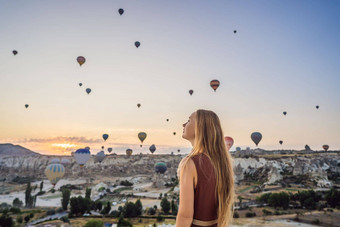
(284, 57)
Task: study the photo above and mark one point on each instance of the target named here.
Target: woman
(206, 176)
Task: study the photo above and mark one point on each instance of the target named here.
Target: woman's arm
(186, 196)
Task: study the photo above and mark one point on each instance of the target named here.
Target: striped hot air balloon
(214, 84)
(54, 172)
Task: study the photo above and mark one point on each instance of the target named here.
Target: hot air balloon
(214, 84)
(88, 90)
(284, 113)
(15, 52)
(191, 92)
(109, 149)
(54, 160)
(121, 11)
(129, 152)
(26, 105)
(317, 107)
(152, 148)
(65, 161)
(167, 119)
(100, 156)
(325, 147)
(256, 137)
(137, 44)
(160, 167)
(81, 60)
(105, 136)
(102, 147)
(82, 156)
(138, 105)
(281, 142)
(54, 172)
(80, 84)
(178, 150)
(235, 31)
(141, 136)
(238, 149)
(228, 142)
(174, 133)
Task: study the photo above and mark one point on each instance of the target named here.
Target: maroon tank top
(205, 201)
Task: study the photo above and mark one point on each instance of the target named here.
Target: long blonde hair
(209, 138)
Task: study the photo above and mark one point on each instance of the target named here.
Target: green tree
(41, 185)
(151, 211)
(129, 210)
(17, 202)
(333, 197)
(66, 193)
(28, 196)
(139, 207)
(165, 204)
(174, 208)
(97, 205)
(107, 208)
(279, 200)
(94, 223)
(88, 193)
(122, 222)
(79, 205)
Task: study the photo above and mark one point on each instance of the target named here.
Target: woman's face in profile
(189, 128)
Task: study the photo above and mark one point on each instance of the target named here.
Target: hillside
(8, 149)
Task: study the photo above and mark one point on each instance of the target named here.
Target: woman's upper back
(205, 200)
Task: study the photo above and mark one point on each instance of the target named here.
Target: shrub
(151, 211)
(60, 209)
(160, 218)
(65, 219)
(126, 183)
(267, 212)
(6, 221)
(50, 212)
(122, 222)
(27, 218)
(94, 223)
(19, 219)
(115, 213)
(250, 214)
(17, 202)
(316, 221)
(15, 210)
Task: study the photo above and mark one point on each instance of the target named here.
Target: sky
(285, 56)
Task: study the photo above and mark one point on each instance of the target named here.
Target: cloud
(60, 139)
